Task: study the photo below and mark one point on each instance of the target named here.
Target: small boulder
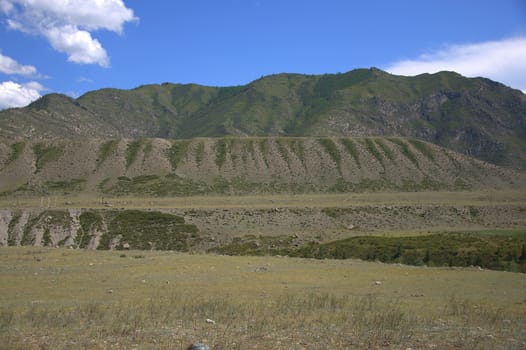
(198, 346)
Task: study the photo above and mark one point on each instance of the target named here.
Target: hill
(474, 116)
(248, 165)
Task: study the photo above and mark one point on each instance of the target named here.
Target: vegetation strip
(45, 154)
(495, 250)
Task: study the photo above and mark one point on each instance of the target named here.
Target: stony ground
(318, 217)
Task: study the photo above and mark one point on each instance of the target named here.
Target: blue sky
(74, 46)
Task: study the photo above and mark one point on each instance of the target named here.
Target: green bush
(297, 146)
(200, 153)
(90, 221)
(11, 237)
(282, 149)
(141, 179)
(387, 151)
(371, 148)
(350, 146)
(264, 149)
(331, 148)
(132, 151)
(106, 149)
(423, 148)
(454, 249)
(45, 154)
(72, 185)
(150, 230)
(221, 148)
(404, 148)
(177, 152)
(16, 151)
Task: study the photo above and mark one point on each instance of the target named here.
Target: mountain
(474, 116)
(241, 165)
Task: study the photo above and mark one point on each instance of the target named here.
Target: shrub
(16, 151)
(106, 149)
(369, 144)
(352, 149)
(387, 151)
(330, 147)
(455, 249)
(404, 148)
(132, 151)
(149, 230)
(423, 148)
(45, 154)
(221, 151)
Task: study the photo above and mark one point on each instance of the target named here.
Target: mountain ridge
(474, 116)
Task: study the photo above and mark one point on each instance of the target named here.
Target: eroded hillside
(159, 167)
(189, 229)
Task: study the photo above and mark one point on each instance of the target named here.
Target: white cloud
(89, 14)
(503, 61)
(18, 95)
(10, 66)
(67, 24)
(84, 80)
(5, 5)
(78, 44)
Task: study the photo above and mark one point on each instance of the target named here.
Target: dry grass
(63, 299)
(510, 197)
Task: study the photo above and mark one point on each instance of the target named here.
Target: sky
(75, 46)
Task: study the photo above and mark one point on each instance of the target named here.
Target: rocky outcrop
(96, 229)
(39, 227)
(201, 229)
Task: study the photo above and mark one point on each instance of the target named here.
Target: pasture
(67, 298)
(314, 200)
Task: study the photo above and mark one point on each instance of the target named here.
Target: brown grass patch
(59, 299)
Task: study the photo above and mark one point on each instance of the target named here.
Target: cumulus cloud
(503, 61)
(68, 24)
(19, 95)
(78, 44)
(10, 66)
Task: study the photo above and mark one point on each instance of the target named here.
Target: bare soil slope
(159, 167)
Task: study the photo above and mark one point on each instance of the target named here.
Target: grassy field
(57, 298)
(63, 299)
(516, 196)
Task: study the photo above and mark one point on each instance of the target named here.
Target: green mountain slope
(474, 116)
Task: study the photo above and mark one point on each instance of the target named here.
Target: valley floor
(61, 299)
(316, 200)
(307, 217)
